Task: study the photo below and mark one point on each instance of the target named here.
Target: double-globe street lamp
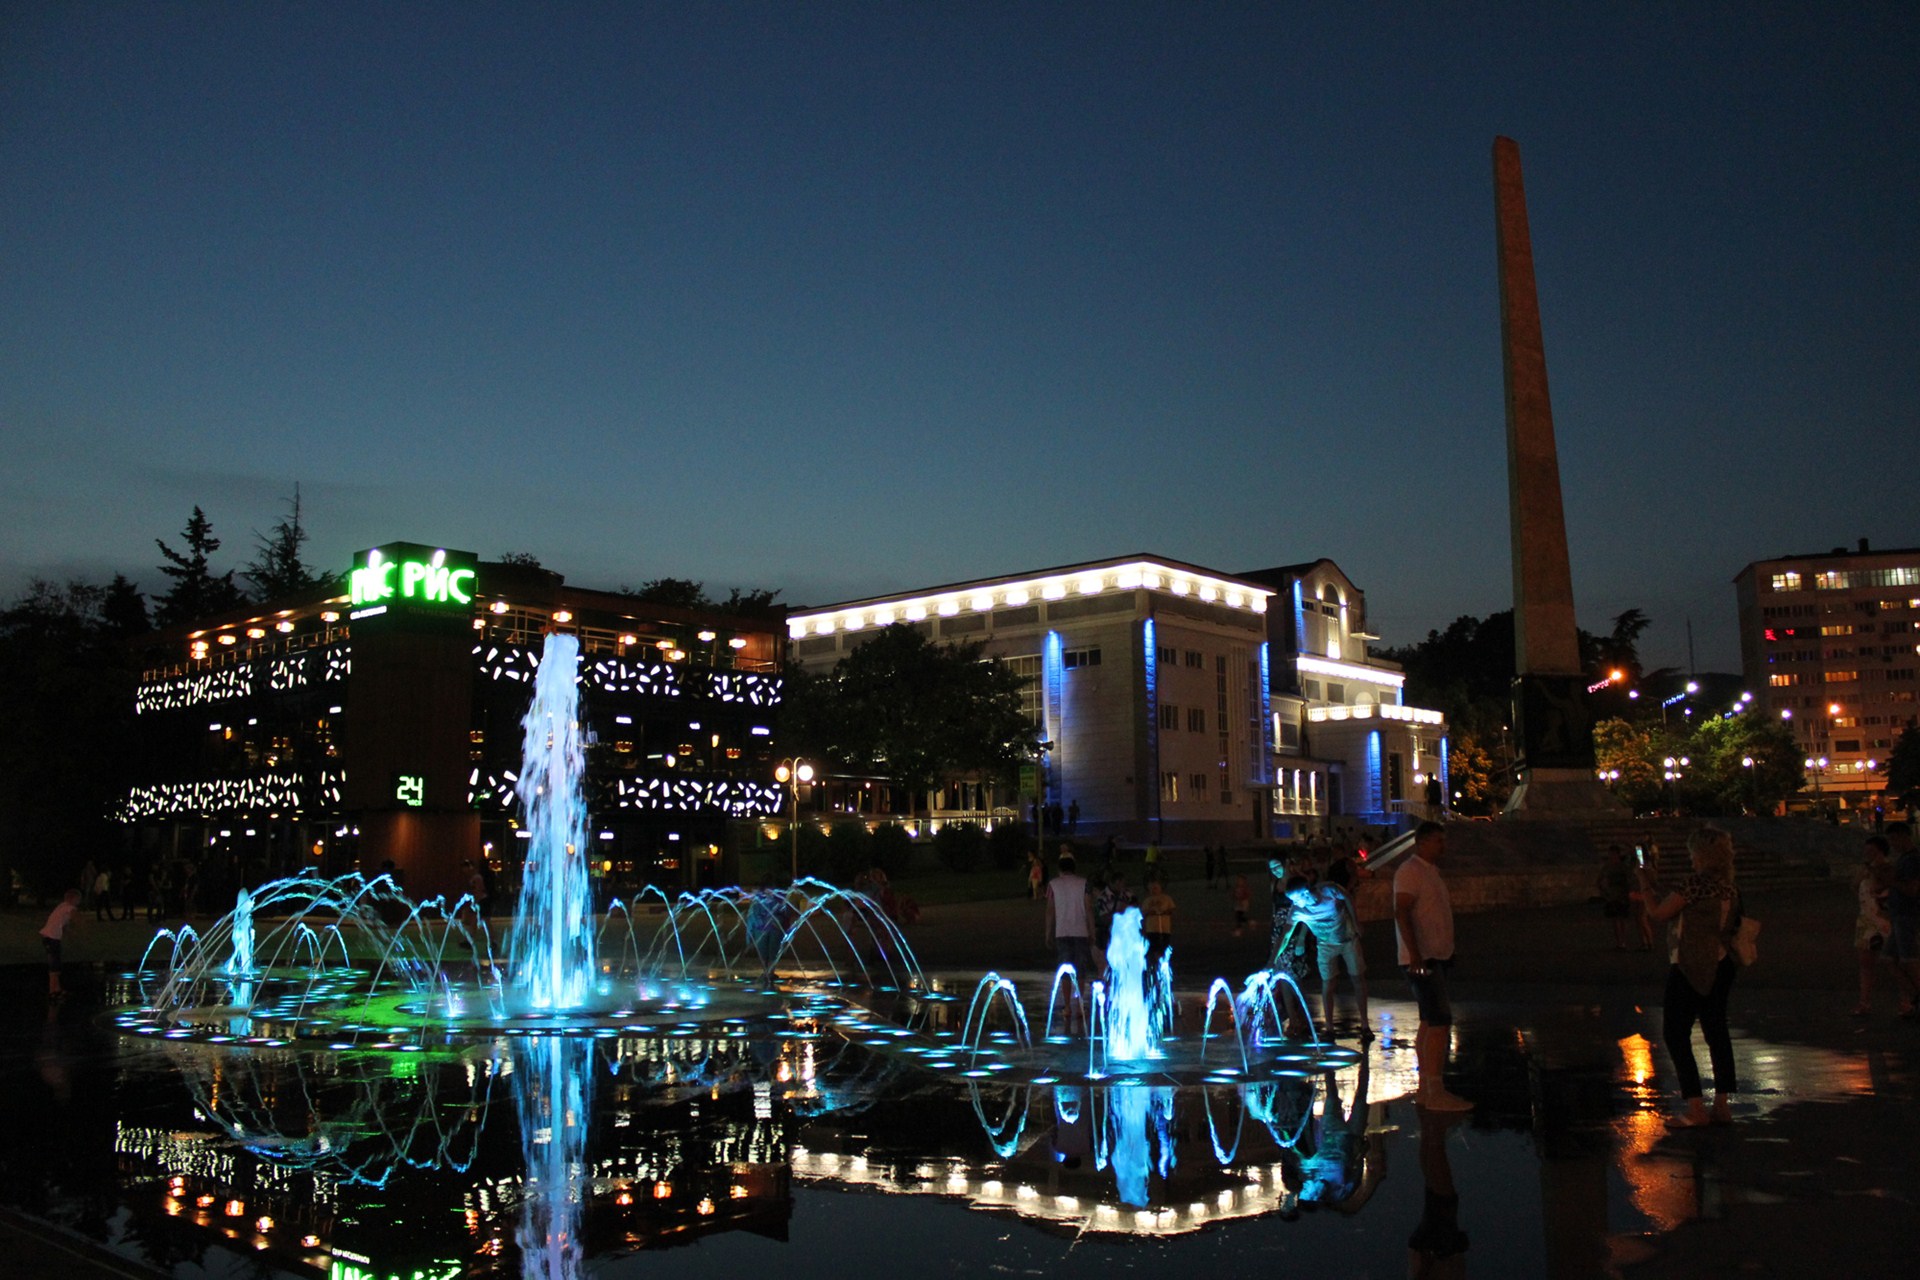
(791, 773)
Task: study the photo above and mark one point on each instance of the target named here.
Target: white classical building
(1181, 704)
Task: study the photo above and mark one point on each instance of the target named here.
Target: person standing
(1706, 909)
(1423, 927)
(1647, 889)
(1615, 886)
(1070, 920)
(103, 895)
(1870, 925)
(52, 934)
(1901, 878)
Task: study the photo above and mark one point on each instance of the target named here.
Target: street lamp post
(792, 773)
(1817, 765)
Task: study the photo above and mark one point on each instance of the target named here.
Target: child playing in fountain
(1157, 908)
(52, 934)
(1326, 913)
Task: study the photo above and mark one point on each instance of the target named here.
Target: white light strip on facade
(1385, 711)
(1351, 671)
(1015, 592)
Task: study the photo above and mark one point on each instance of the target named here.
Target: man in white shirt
(1070, 920)
(1423, 923)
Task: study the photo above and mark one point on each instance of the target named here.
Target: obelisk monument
(1553, 731)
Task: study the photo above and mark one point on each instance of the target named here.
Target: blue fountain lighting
(551, 948)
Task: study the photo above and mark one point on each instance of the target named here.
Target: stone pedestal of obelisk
(1553, 730)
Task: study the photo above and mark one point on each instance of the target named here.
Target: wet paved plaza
(815, 1156)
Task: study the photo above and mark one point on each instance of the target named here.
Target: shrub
(1008, 844)
(891, 849)
(848, 849)
(960, 845)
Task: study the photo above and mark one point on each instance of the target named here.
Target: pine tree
(277, 570)
(195, 592)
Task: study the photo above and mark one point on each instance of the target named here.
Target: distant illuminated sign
(410, 789)
(403, 573)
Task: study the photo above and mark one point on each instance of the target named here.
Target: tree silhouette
(277, 569)
(196, 591)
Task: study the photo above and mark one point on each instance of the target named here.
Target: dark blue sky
(850, 298)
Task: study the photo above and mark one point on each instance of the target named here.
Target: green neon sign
(410, 789)
(403, 573)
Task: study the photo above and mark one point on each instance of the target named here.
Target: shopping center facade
(381, 723)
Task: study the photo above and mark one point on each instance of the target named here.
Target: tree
(66, 696)
(277, 570)
(196, 591)
(521, 559)
(685, 593)
(1634, 751)
(681, 593)
(1480, 785)
(903, 707)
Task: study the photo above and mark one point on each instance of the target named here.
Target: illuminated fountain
(551, 946)
(329, 981)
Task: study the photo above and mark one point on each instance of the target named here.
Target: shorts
(1430, 993)
(1077, 952)
(1346, 952)
(1904, 942)
(53, 952)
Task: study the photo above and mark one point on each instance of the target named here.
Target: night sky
(843, 299)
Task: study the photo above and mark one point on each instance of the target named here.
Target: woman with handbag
(1706, 913)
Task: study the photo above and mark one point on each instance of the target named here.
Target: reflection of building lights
(498, 607)
(236, 1208)
(663, 1191)
(205, 1202)
(309, 1242)
(263, 1223)
(736, 1192)
(705, 1207)
(624, 1198)
(563, 615)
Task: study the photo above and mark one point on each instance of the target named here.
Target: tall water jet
(1131, 1035)
(551, 948)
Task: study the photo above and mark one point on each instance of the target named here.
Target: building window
(1312, 689)
(1167, 655)
(1089, 657)
(1786, 582)
(1169, 786)
(1169, 716)
(1195, 658)
(1336, 692)
(1846, 744)
(1842, 677)
(1196, 719)
(1226, 796)
(1780, 678)
(1289, 734)
(1199, 785)
(1840, 629)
